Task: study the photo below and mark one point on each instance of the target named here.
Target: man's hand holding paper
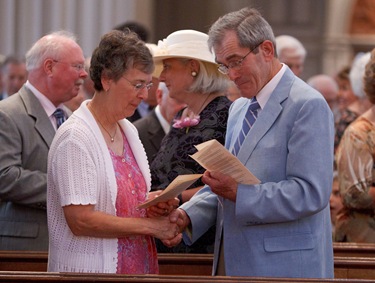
(213, 156)
(224, 170)
(221, 184)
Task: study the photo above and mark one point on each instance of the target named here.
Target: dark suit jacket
(25, 137)
(136, 116)
(151, 134)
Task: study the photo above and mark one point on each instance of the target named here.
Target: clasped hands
(221, 184)
(177, 217)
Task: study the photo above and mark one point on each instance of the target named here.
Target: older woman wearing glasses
(98, 172)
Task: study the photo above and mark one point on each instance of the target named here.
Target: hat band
(191, 49)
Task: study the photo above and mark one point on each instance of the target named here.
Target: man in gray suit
(280, 227)
(27, 126)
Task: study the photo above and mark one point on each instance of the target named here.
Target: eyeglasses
(139, 86)
(78, 67)
(235, 65)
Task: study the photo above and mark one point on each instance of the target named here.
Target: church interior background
(332, 31)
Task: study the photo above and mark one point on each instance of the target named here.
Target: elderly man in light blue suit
(280, 227)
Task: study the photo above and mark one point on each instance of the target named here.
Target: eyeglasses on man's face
(235, 65)
(78, 67)
(139, 86)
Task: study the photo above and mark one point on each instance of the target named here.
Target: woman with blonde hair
(190, 73)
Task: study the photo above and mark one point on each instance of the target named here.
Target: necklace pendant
(112, 139)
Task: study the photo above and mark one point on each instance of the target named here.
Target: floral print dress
(355, 163)
(137, 253)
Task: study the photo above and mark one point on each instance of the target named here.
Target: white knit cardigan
(80, 171)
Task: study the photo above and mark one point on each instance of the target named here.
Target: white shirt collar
(45, 102)
(265, 92)
(164, 123)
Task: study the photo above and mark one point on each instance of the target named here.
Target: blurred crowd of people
(349, 95)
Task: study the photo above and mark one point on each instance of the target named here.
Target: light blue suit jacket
(282, 226)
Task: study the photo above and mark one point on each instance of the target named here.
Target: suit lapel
(34, 109)
(266, 117)
(154, 131)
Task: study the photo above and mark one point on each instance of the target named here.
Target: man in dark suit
(153, 127)
(28, 125)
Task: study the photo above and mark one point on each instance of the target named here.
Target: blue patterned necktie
(60, 117)
(250, 117)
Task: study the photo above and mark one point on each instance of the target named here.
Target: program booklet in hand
(178, 185)
(213, 156)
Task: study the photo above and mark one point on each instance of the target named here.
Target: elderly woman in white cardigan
(98, 172)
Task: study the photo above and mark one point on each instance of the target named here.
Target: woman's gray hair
(251, 29)
(209, 79)
(357, 72)
(118, 52)
(49, 46)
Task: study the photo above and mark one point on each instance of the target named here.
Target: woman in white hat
(188, 69)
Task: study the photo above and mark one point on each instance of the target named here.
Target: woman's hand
(161, 208)
(164, 229)
(84, 220)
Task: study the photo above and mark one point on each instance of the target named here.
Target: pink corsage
(186, 122)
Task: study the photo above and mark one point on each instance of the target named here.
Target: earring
(193, 74)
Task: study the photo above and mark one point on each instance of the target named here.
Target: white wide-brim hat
(190, 44)
(158, 68)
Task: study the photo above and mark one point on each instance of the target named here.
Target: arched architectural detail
(350, 29)
(23, 22)
(338, 49)
(363, 17)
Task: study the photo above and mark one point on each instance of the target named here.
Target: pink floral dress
(355, 158)
(137, 253)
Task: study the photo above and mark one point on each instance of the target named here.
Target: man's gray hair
(49, 46)
(251, 28)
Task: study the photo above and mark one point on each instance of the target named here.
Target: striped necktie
(250, 117)
(60, 117)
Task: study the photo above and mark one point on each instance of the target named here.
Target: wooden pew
(354, 249)
(172, 264)
(37, 261)
(32, 277)
(344, 267)
(185, 264)
(23, 261)
(354, 267)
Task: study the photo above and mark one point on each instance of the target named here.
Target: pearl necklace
(96, 118)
